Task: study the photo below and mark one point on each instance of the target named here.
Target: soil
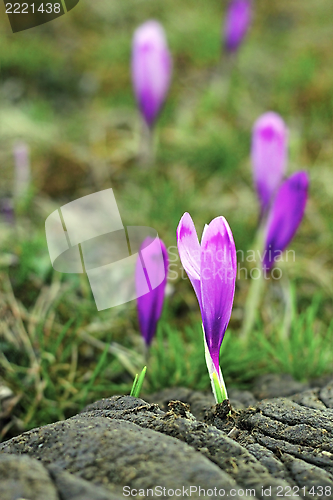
(268, 448)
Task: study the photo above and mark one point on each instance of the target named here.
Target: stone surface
(237, 462)
(116, 453)
(276, 386)
(309, 399)
(72, 487)
(326, 395)
(22, 477)
(273, 448)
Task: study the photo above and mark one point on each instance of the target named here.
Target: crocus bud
(153, 259)
(269, 155)
(151, 69)
(285, 216)
(237, 22)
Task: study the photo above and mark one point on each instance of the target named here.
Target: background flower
(285, 216)
(237, 22)
(151, 69)
(153, 257)
(269, 155)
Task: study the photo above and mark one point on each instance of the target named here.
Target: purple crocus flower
(237, 22)
(211, 268)
(151, 69)
(269, 156)
(285, 216)
(153, 259)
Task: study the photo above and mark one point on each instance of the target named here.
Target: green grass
(65, 88)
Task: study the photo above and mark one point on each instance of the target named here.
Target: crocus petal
(218, 268)
(151, 69)
(237, 21)
(285, 216)
(153, 259)
(189, 251)
(269, 155)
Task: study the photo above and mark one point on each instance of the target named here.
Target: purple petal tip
(285, 216)
(237, 22)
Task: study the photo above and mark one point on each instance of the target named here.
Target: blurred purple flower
(153, 260)
(237, 22)
(22, 169)
(151, 69)
(285, 216)
(211, 268)
(269, 156)
(7, 210)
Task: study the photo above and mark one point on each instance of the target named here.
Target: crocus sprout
(285, 216)
(153, 258)
(211, 268)
(151, 69)
(137, 383)
(237, 22)
(269, 156)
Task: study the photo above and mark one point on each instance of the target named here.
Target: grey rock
(71, 487)
(22, 477)
(238, 464)
(277, 386)
(283, 426)
(113, 453)
(310, 399)
(284, 443)
(308, 476)
(326, 394)
(241, 399)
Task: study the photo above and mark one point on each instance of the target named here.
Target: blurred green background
(65, 89)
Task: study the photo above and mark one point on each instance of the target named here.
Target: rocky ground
(276, 443)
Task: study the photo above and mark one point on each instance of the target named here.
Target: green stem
(256, 289)
(218, 389)
(221, 76)
(146, 156)
(251, 307)
(223, 387)
(289, 300)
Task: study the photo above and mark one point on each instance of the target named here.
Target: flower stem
(251, 307)
(218, 386)
(146, 156)
(218, 391)
(289, 301)
(257, 287)
(223, 387)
